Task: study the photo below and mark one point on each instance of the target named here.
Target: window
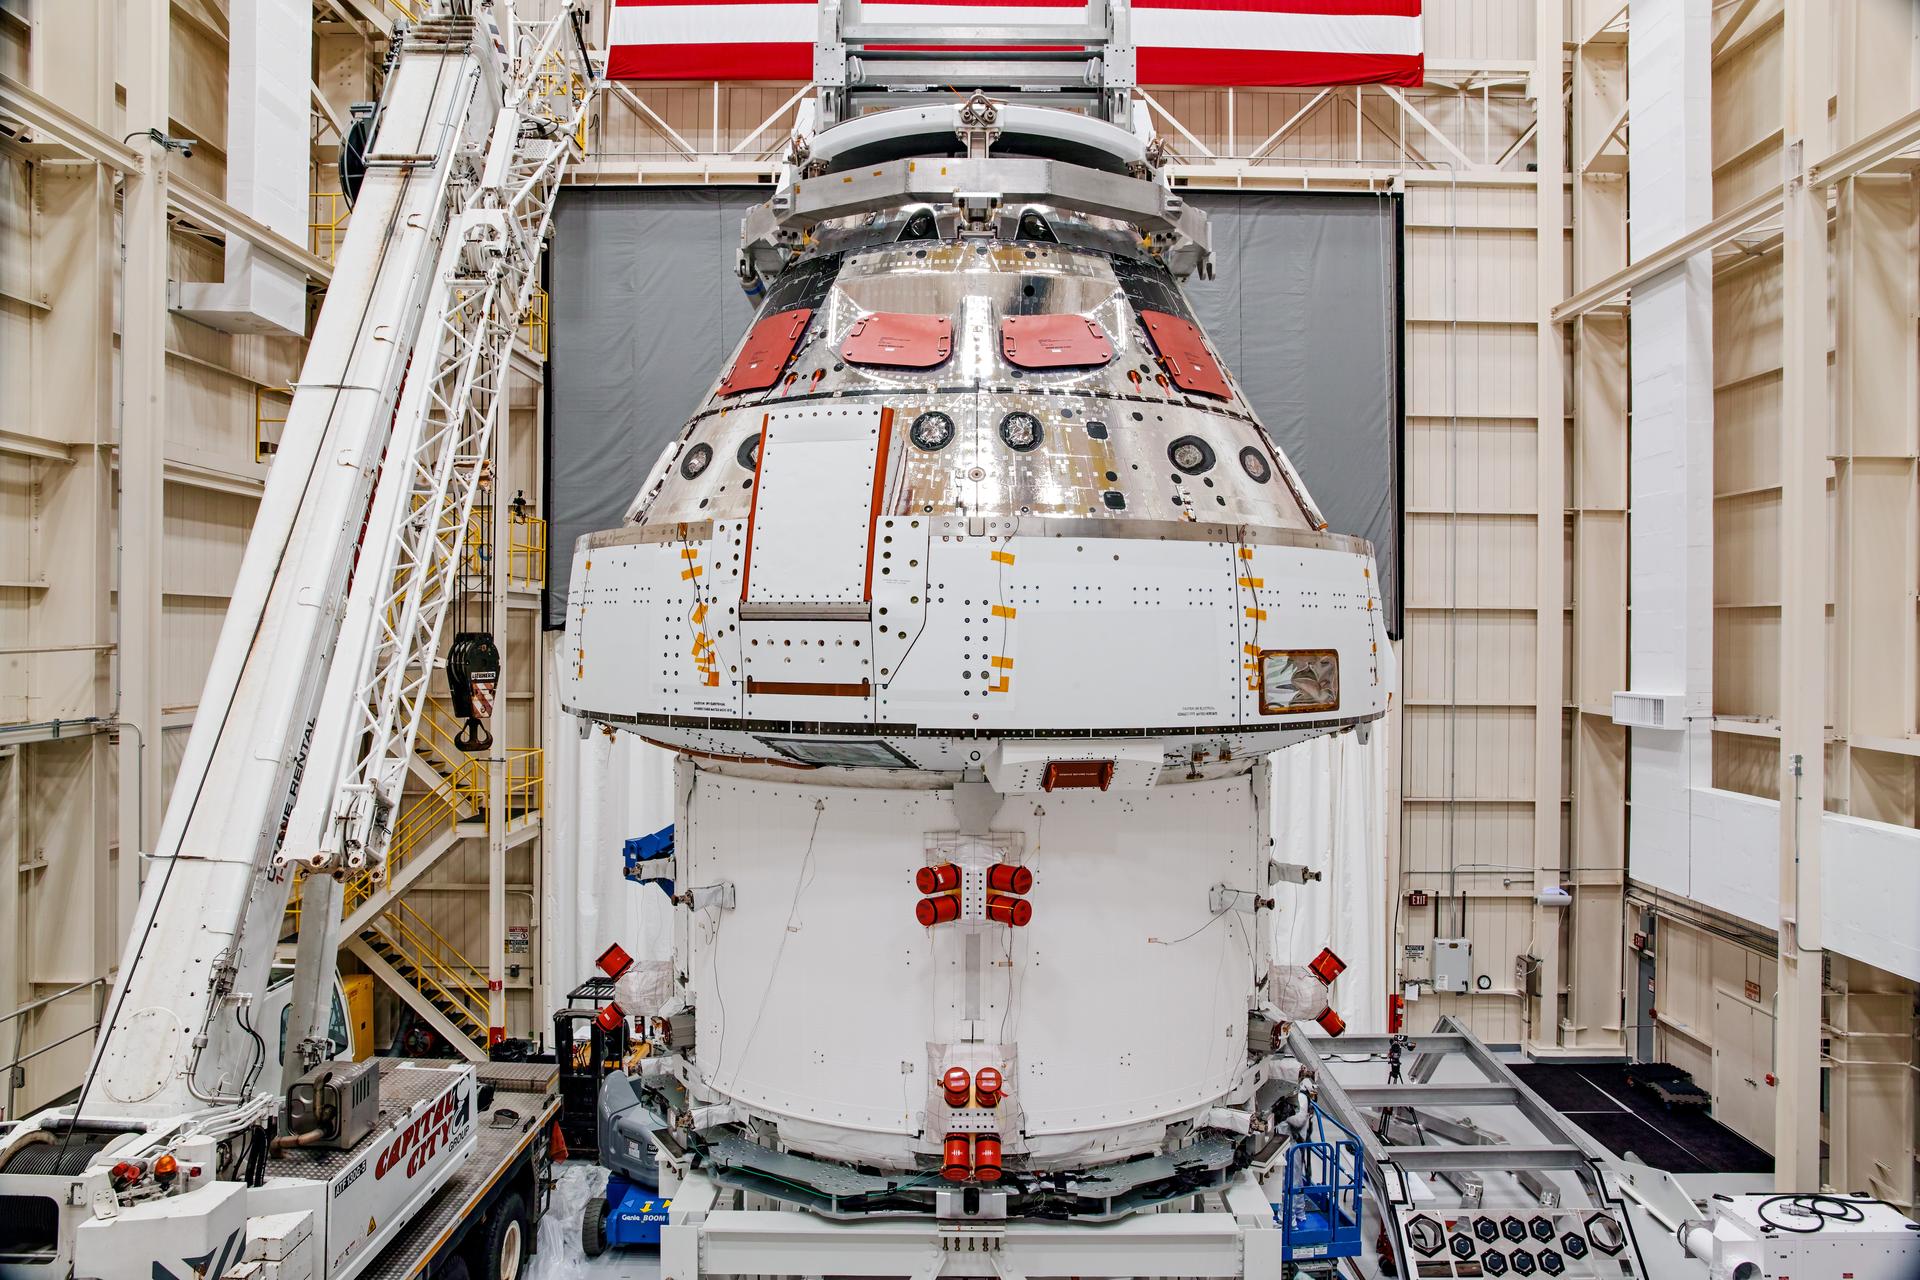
(1296, 680)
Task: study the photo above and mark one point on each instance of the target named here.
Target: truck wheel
(454, 1268)
(593, 1228)
(506, 1254)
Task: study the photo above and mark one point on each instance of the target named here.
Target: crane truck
(192, 1149)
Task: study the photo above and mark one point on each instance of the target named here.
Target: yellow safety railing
(264, 447)
(526, 547)
(461, 796)
(526, 551)
(438, 731)
(422, 820)
(526, 781)
(327, 215)
(420, 823)
(533, 323)
(438, 964)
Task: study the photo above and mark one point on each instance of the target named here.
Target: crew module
(974, 597)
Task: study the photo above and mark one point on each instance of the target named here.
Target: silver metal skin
(1104, 431)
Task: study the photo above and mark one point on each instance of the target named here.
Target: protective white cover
(645, 987)
(819, 992)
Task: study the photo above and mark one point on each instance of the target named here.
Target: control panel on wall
(1452, 965)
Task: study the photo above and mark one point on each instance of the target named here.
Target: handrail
(327, 215)
(421, 946)
(263, 448)
(441, 734)
(468, 789)
(533, 323)
(44, 1001)
(526, 780)
(527, 551)
(20, 1031)
(424, 926)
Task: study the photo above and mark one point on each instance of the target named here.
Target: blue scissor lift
(1320, 1206)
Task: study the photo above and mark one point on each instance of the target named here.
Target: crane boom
(315, 684)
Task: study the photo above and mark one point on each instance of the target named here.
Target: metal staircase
(414, 960)
(409, 955)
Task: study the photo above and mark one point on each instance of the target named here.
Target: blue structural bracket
(649, 859)
(1320, 1208)
(635, 1213)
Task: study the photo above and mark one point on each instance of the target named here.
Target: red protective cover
(1184, 354)
(899, 340)
(1054, 342)
(614, 961)
(764, 356)
(1327, 966)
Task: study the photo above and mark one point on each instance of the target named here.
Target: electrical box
(1452, 964)
(1843, 1235)
(337, 1101)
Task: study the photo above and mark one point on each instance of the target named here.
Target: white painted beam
(1803, 562)
(1550, 252)
(38, 122)
(143, 434)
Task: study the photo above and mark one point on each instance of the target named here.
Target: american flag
(1180, 42)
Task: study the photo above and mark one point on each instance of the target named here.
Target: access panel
(810, 539)
(897, 340)
(764, 355)
(1054, 342)
(1183, 353)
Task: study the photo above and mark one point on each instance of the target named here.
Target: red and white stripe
(1180, 42)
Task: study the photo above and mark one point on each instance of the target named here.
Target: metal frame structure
(1402, 1177)
(1089, 64)
(713, 1231)
(486, 275)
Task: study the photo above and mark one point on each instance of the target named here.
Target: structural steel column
(1550, 203)
(500, 535)
(1803, 599)
(1597, 651)
(143, 436)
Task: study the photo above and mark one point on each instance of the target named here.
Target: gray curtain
(1304, 306)
(644, 309)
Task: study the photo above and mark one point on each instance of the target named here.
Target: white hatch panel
(812, 528)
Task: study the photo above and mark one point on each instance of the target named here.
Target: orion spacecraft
(973, 599)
